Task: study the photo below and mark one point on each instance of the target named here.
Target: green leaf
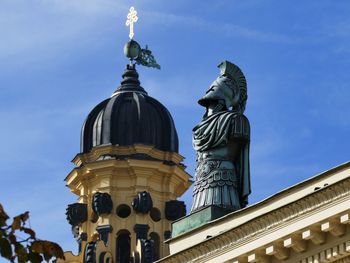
(24, 216)
(21, 252)
(18, 220)
(37, 246)
(16, 224)
(12, 238)
(48, 249)
(47, 257)
(3, 216)
(5, 248)
(34, 257)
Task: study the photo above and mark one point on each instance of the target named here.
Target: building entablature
(125, 162)
(308, 222)
(135, 151)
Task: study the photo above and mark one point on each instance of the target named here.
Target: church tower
(128, 177)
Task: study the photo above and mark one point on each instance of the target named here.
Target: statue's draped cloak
(215, 131)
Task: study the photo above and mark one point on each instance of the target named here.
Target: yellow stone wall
(123, 179)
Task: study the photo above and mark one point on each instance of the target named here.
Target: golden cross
(131, 19)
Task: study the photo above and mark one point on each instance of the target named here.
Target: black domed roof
(129, 117)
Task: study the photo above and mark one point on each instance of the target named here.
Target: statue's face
(224, 91)
(215, 94)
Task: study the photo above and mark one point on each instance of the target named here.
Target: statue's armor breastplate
(218, 167)
(217, 178)
(212, 173)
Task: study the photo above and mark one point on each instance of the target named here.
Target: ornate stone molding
(339, 252)
(325, 197)
(343, 260)
(148, 150)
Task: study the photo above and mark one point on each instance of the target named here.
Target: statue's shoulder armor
(239, 117)
(240, 126)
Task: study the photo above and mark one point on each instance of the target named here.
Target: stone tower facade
(128, 177)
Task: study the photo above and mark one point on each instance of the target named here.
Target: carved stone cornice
(151, 151)
(343, 260)
(260, 226)
(337, 253)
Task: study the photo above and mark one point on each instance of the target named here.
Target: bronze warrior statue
(221, 140)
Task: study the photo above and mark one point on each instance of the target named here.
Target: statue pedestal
(197, 219)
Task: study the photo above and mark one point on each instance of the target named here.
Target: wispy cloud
(87, 7)
(31, 134)
(47, 216)
(42, 28)
(227, 29)
(54, 27)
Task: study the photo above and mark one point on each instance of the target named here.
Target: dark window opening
(155, 214)
(123, 211)
(155, 237)
(123, 247)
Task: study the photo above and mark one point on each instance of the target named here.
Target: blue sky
(59, 58)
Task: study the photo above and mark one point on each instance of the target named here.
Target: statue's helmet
(229, 89)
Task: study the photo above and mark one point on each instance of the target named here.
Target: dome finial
(132, 49)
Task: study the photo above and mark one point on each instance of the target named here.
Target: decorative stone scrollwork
(104, 232)
(95, 252)
(142, 203)
(102, 203)
(141, 231)
(75, 231)
(78, 237)
(90, 253)
(76, 213)
(82, 237)
(175, 209)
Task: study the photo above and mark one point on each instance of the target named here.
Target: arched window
(155, 237)
(123, 246)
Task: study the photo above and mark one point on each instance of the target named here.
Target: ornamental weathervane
(132, 49)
